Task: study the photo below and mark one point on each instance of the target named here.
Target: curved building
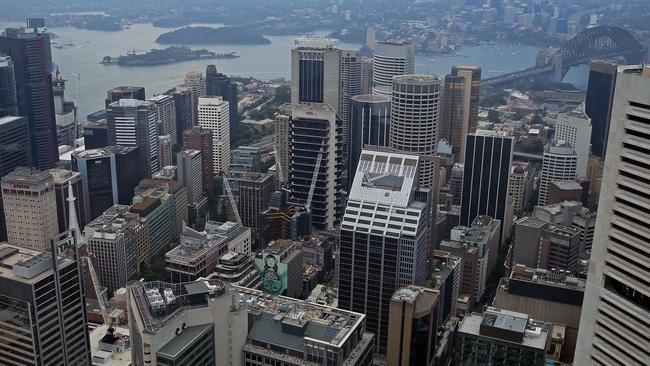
(391, 59)
(369, 126)
(415, 113)
(560, 163)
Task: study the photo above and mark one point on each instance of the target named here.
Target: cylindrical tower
(391, 59)
(415, 113)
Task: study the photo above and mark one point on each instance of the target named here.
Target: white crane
(278, 164)
(73, 225)
(314, 178)
(232, 199)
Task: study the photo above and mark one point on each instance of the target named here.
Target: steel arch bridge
(600, 42)
(593, 43)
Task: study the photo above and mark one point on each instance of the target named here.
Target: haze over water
(263, 62)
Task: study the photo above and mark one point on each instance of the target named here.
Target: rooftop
(531, 222)
(8, 119)
(371, 98)
(62, 175)
(107, 349)
(133, 103)
(316, 43)
(557, 278)
(567, 184)
(417, 79)
(186, 338)
(25, 265)
(24, 175)
(559, 147)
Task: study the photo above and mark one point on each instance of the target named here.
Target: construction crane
(314, 178)
(73, 225)
(232, 199)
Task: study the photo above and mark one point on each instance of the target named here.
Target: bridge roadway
(521, 74)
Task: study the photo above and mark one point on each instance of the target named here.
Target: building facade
(8, 96)
(200, 139)
(391, 59)
(219, 85)
(316, 72)
(213, 115)
(384, 237)
(599, 102)
(165, 106)
(254, 193)
(616, 294)
(575, 129)
(560, 163)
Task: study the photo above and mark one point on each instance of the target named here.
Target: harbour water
(78, 51)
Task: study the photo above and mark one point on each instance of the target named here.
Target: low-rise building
(236, 269)
(280, 268)
(501, 337)
(196, 255)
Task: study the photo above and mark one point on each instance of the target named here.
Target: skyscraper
(15, 151)
(195, 81)
(281, 141)
(598, 103)
(384, 237)
(219, 85)
(614, 320)
(575, 129)
(559, 164)
(351, 78)
(369, 126)
(460, 107)
(62, 180)
(315, 127)
(44, 303)
(414, 118)
(165, 150)
(254, 193)
(8, 97)
(166, 116)
(190, 174)
(316, 72)
(30, 208)
(391, 59)
(132, 122)
(107, 177)
(213, 115)
(124, 92)
(200, 139)
(486, 176)
(31, 55)
(184, 105)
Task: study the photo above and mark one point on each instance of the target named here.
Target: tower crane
(314, 178)
(232, 199)
(75, 101)
(278, 164)
(73, 225)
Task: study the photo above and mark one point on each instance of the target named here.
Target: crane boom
(232, 199)
(314, 178)
(278, 164)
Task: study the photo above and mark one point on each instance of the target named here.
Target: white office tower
(316, 128)
(414, 117)
(351, 79)
(165, 115)
(575, 128)
(559, 164)
(391, 59)
(384, 237)
(213, 115)
(192, 323)
(316, 72)
(195, 82)
(190, 175)
(615, 319)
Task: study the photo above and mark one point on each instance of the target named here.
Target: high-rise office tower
(598, 103)
(351, 78)
(316, 72)
(391, 59)
(44, 305)
(281, 141)
(184, 105)
(16, 151)
(8, 97)
(132, 122)
(316, 128)
(62, 179)
(165, 150)
(254, 192)
(166, 116)
(30, 208)
(460, 107)
(107, 177)
(369, 126)
(190, 174)
(31, 55)
(575, 129)
(560, 163)
(219, 85)
(522, 184)
(95, 135)
(414, 118)
(614, 321)
(124, 92)
(213, 115)
(195, 81)
(366, 75)
(486, 177)
(113, 241)
(200, 139)
(384, 237)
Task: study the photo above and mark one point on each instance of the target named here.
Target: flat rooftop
(26, 265)
(531, 222)
(116, 358)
